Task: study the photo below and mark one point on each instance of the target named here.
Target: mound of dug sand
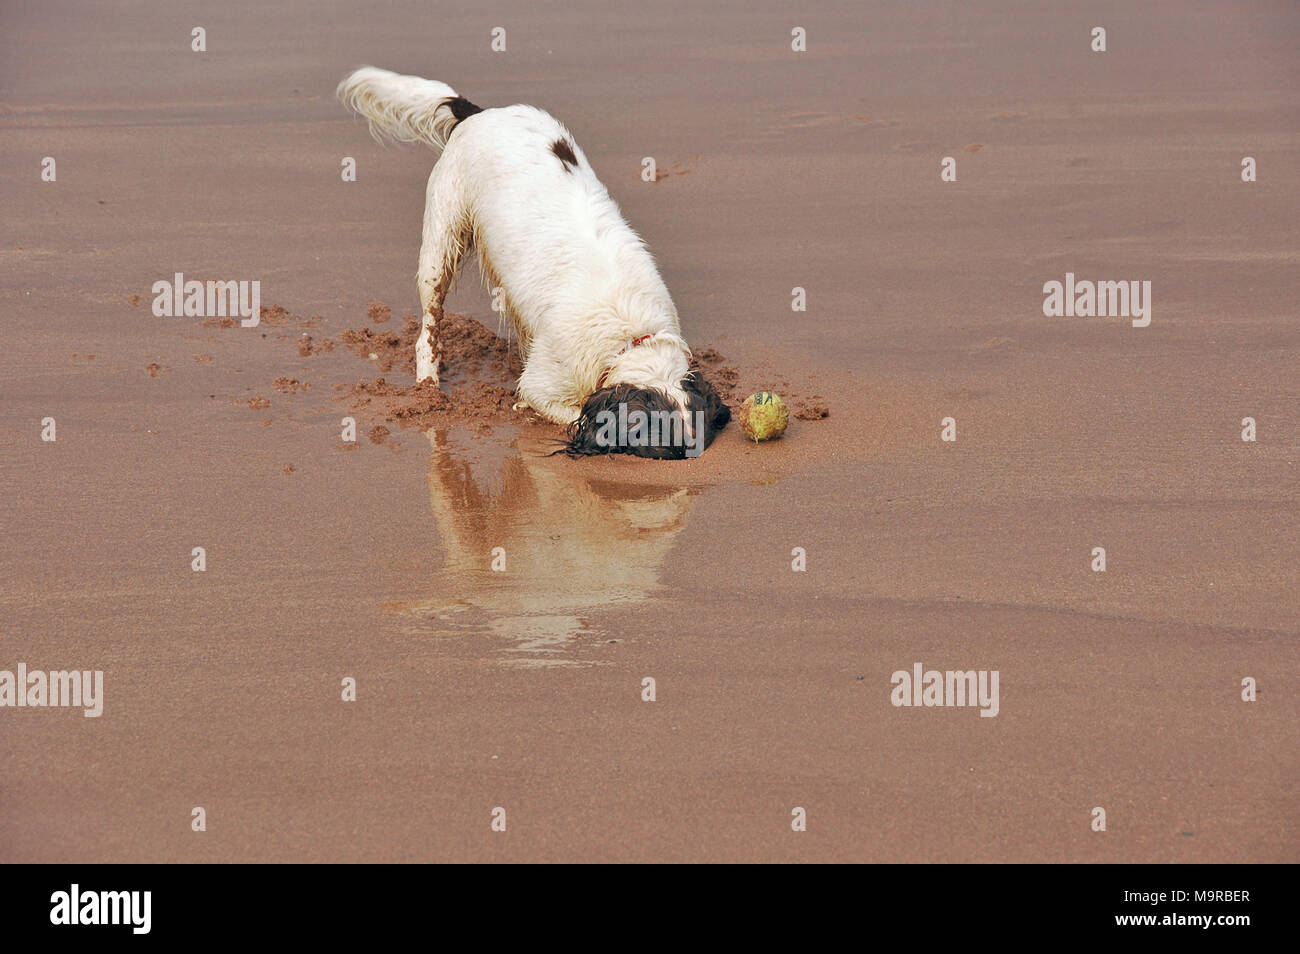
(469, 349)
(424, 405)
(479, 371)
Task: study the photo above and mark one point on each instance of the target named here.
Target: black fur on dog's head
(591, 433)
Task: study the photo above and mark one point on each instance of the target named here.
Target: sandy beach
(523, 689)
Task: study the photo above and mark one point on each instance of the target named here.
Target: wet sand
(522, 689)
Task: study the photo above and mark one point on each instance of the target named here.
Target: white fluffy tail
(404, 108)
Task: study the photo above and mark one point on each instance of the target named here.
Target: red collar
(635, 341)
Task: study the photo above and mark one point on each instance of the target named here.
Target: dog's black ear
(584, 433)
(703, 397)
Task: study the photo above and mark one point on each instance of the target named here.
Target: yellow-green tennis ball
(764, 416)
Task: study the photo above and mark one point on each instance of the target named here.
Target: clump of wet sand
(277, 316)
(272, 316)
(287, 385)
(308, 346)
(724, 378)
(812, 412)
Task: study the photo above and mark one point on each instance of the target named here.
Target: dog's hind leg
(446, 234)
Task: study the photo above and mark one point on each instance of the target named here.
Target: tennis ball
(764, 416)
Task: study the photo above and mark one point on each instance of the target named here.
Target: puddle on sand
(570, 544)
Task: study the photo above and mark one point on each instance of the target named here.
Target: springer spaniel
(602, 346)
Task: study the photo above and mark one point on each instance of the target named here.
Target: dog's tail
(405, 108)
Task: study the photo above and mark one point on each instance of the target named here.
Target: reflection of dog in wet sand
(598, 330)
(541, 544)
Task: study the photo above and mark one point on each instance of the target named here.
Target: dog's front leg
(541, 389)
(551, 410)
(564, 414)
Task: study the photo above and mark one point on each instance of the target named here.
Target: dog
(597, 329)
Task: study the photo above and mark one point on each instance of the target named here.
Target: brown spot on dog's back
(564, 152)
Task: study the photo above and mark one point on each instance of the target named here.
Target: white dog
(597, 328)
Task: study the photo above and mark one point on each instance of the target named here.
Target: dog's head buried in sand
(601, 342)
(649, 422)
